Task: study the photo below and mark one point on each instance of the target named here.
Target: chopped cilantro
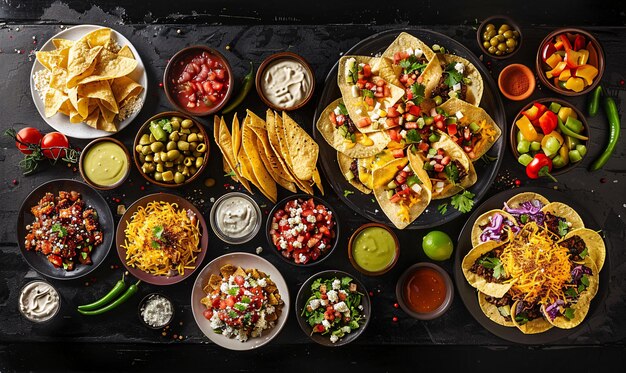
(316, 284)
(523, 218)
(563, 228)
(452, 173)
(463, 202)
(342, 109)
(569, 313)
(157, 231)
(347, 192)
(571, 293)
(231, 174)
(585, 280)
(521, 319)
(418, 91)
(584, 253)
(240, 307)
(412, 136)
(232, 314)
(345, 281)
(442, 208)
(234, 290)
(247, 318)
(65, 265)
(411, 64)
(495, 264)
(155, 245)
(60, 229)
(245, 299)
(452, 76)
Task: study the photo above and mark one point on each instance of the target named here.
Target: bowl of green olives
(499, 37)
(171, 149)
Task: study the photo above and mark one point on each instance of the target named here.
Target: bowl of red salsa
(198, 80)
(425, 291)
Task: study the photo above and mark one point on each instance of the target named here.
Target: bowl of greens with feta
(333, 308)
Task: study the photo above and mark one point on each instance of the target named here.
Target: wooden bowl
(351, 256)
(144, 129)
(600, 63)
(280, 56)
(544, 101)
(168, 85)
(498, 20)
(86, 150)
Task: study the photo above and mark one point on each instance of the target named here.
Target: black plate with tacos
(385, 101)
(500, 272)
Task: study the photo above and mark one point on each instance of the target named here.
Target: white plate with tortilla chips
(106, 79)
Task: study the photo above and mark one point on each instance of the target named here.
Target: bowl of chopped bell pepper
(552, 128)
(570, 61)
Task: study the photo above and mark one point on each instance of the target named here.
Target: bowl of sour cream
(285, 81)
(235, 218)
(39, 301)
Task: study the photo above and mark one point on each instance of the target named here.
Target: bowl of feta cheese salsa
(333, 308)
(198, 80)
(302, 229)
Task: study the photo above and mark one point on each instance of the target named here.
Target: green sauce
(105, 163)
(374, 249)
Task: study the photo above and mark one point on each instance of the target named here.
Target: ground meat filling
(354, 168)
(443, 90)
(484, 272)
(350, 125)
(501, 302)
(575, 245)
(529, 310)
(462, 170)
(552, 222)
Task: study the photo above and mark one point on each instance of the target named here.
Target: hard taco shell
(483, 220)
(564, 211)
(491, 311)
(492, 289)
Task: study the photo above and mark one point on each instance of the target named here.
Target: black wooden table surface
(117, 339)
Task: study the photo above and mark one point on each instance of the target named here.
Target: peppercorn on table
(117, 339)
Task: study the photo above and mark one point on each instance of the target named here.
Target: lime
(437, 245)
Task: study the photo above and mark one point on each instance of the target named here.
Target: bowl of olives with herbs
(499, 37)
(171, 149)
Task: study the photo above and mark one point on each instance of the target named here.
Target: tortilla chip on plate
(264, 179)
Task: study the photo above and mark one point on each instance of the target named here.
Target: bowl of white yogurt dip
(39, 301)
(285, 81)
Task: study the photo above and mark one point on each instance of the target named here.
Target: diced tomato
(223, 304)
(207, 314)
(364, 122)
(439, 167)
(415, 110)
(395, 134)
(230, 301)
(333, 117)
(452, 130)
(398, 153)
(239, 280)
(423, 146)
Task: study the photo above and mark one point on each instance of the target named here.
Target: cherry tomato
(53, 140)
(28, 135)
(239, 280)
(207, 314)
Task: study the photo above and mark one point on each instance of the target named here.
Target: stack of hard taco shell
(267, 153)
(534, 264)
(411, 107)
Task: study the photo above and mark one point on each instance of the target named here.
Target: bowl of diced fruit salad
(333, 308)
(552, 130)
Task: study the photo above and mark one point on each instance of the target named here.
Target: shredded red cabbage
(553, 310)
(495, 231)
(532, 209)
(578, 272)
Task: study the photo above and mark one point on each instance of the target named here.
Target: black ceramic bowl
(447, 302)
(281, 204)
(142, 305)
(305, 293)
(38, 261)
(497, 21)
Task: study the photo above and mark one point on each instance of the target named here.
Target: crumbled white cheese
(341, 307)
(456, 87)
(403, 133)
(157, 311)
(419, 53)
(359, 111)
(355, 91)
(332, 296)
(262, 282)
(346, 329)
(459, 67)
(459, 115)
(336, 284)
(326, 324)
(409, 51)
(324, 302)
(311, 218)
(314, 303)
(333, 338)
(322, 246)
(416, 188)
(337, 111)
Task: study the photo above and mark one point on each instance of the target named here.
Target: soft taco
(583, 243)
(495, 225)
(527, 317)
(350, 169)
(497, 309)
(459, 79)
(484, 271)
(366, 93)
(474, 130)
(449, 168)
(340, 132)
(402, 189)
(579, 292)
(561, 219)
(520, 199)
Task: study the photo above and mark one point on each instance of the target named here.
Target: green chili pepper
(594, 101)
(132, 289)
(569, 132)
(111, 295)
(610, 108)
(246, 85)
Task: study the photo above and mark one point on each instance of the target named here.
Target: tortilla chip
(105, 125)
(53, 101)
(126, 52)
(109, 66)
(214, 282)
(317, 180)
(124, 88)
(476, 86)
(534, 326)
(92, 118)
(62, 43)
(240, 272)
(81, 61)
(405, 41)
(302, 149)
(279, 180)
(99, 37)
(264, 179)
(223, 139)
(100, 90)
(227, 270)
(274, 147)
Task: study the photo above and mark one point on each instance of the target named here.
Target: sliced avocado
(505, 310)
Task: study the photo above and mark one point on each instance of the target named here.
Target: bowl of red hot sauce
(425, 291)
(198, 80)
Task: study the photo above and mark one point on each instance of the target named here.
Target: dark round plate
(491, 102)
(38, 261)
(182, 204)
(281, 204)
(305, 292)
(468, 293)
